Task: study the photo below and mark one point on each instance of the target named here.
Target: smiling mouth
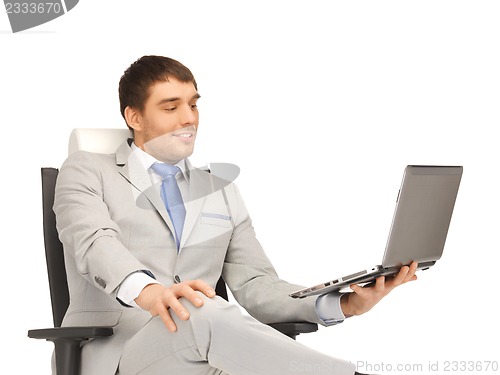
(184, 136)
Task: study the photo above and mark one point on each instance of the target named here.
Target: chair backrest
(94, 140)
(104, 141)
(101, 141)
(54, 256)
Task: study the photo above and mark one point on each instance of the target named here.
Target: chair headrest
(102, 141)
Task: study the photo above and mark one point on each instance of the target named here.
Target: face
(166, 128)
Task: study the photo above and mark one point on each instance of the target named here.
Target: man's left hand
(362, 299)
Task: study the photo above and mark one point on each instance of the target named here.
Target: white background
(322, 104)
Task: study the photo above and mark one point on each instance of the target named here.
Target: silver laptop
(419, 227)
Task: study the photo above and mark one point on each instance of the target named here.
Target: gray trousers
(219, 339)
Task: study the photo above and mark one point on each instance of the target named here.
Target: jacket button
(100, 282)
(177, 279)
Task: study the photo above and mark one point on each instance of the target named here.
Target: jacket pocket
(215, 219)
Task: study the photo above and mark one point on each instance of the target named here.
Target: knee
(216, 311)
(211, 307)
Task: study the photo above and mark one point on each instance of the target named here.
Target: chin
(169, 152)
(173, 157)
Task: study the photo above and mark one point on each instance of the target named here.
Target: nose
(188, 116)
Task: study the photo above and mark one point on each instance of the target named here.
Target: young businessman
(146, 237)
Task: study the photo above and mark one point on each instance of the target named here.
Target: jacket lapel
(197, 191)
(130, 167)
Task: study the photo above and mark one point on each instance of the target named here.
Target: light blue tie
(171, 196)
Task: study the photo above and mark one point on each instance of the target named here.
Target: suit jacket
(112, 222)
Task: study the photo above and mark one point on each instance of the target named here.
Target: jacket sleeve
(85, 227)
(253, 280)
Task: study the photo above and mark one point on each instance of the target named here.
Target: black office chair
(68, 340)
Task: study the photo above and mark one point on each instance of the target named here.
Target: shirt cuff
(132, 286)
(329, 310)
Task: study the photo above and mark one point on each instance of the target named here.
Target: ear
(133, 118)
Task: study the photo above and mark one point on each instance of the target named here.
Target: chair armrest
(67, 342)
(70, 333)
(293, 329)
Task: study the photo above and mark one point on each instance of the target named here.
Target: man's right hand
(157, 299)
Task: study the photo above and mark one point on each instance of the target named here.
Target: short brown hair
(136, 81)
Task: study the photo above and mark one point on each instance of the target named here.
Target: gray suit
(112, 223)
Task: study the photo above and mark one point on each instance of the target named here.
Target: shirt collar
(148, 160)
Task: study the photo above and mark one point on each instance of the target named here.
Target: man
(146, 237)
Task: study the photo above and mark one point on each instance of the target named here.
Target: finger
(411, 273)
(380, 283)
(176, 307)
(411, 269)
(190, 294)
(167, 319)
(202, 287)
(400, 276)
(357, 289)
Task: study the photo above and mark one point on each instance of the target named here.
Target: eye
(170, 109)
(194, 106)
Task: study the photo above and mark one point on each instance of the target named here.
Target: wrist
(344, 305)
(147, 295)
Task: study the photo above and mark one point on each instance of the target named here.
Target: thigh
(156, 351)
